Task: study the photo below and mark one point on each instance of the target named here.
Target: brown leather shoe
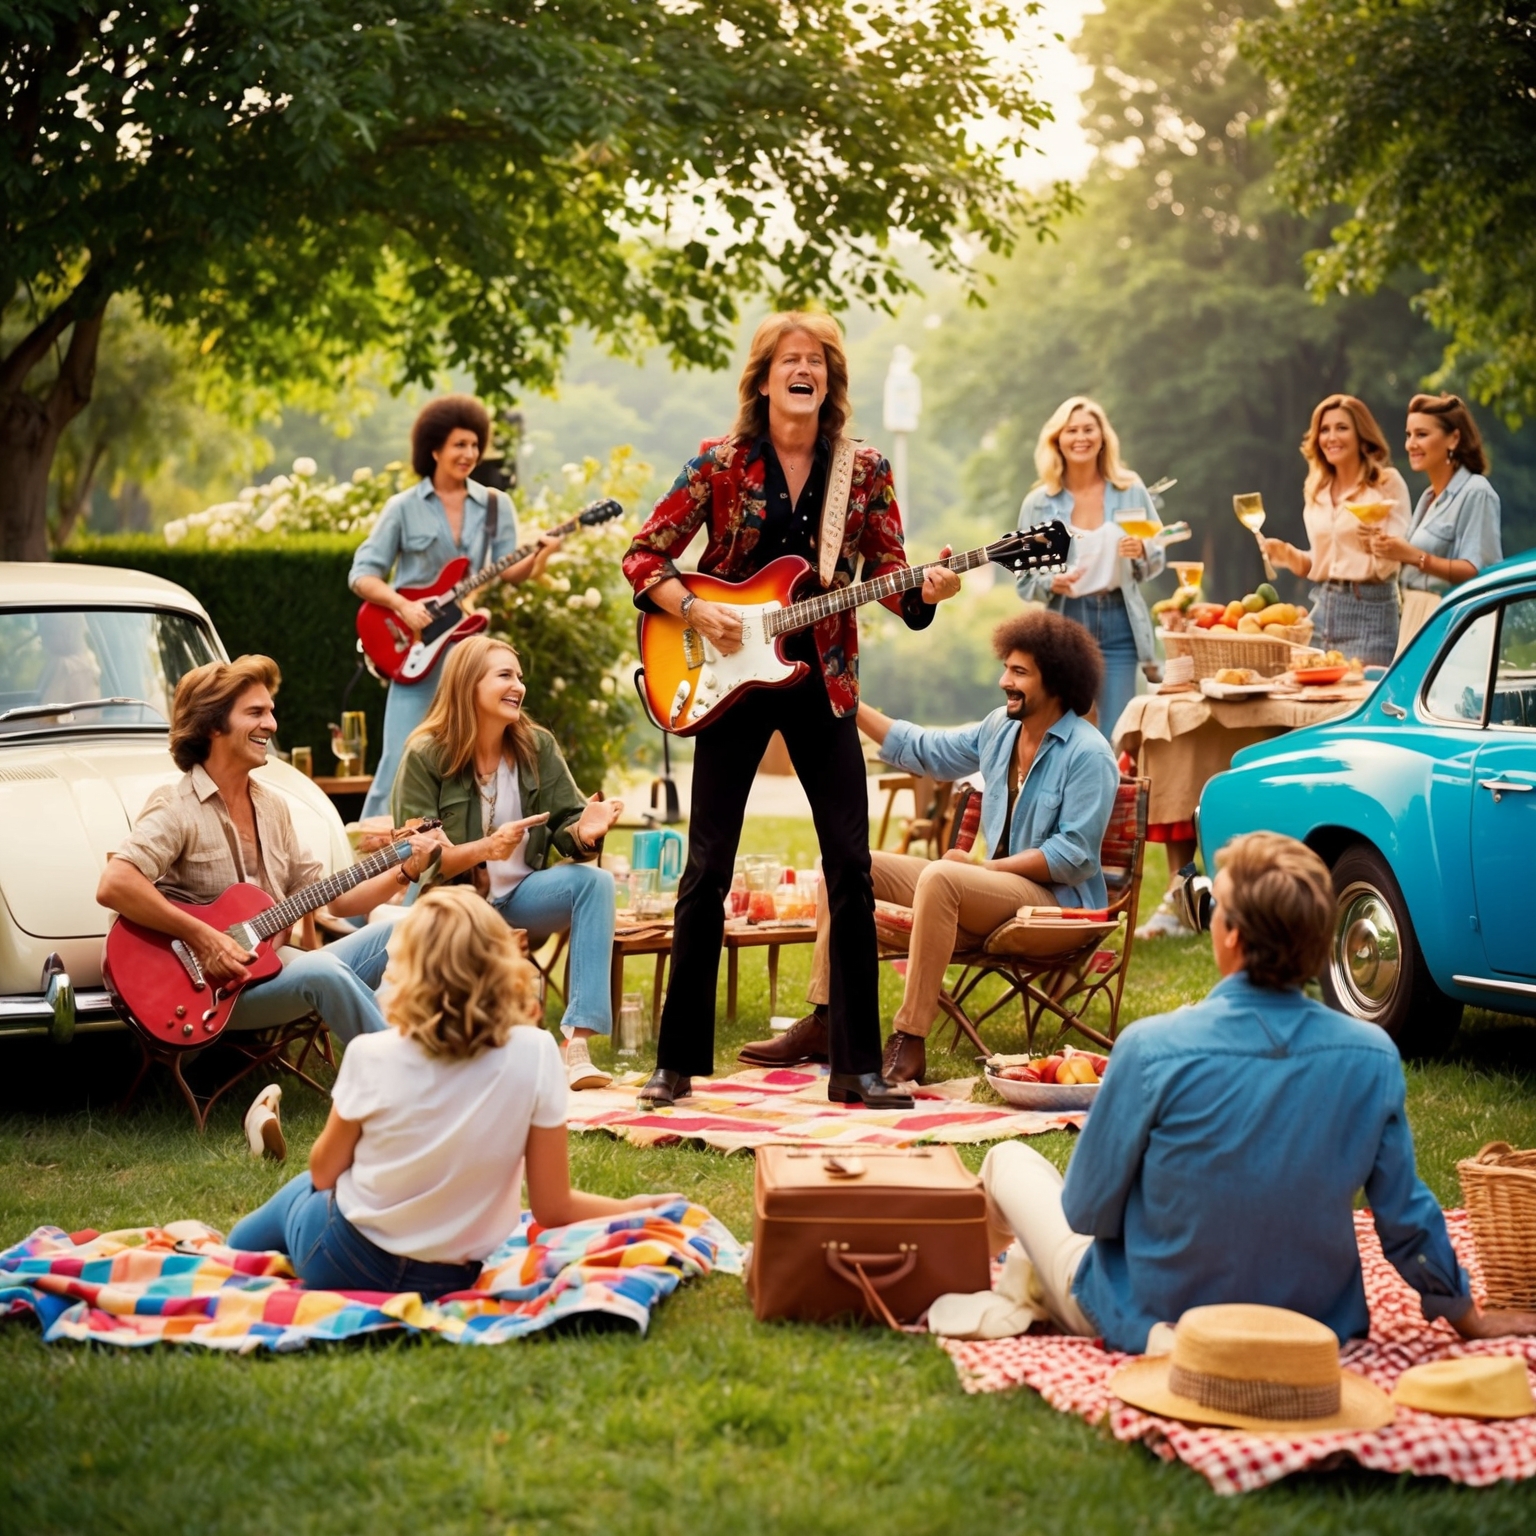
(804, 1040)
(905, 1059)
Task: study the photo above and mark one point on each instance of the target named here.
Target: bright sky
(1059, 76)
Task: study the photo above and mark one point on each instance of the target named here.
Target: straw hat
(1468, 1387)
(1256, 1368)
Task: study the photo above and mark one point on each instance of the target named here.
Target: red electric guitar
(395, 651)
(156, 983)
(685, 683)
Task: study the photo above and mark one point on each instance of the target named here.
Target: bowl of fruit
(1068, 1079)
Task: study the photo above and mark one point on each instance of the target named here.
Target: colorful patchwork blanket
(762, 1107)
(180, 1283)
(1072, 1375)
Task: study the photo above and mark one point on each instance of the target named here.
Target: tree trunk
(30, 426)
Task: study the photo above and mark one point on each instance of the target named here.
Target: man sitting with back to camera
(1050, 782)
(1228, 1141)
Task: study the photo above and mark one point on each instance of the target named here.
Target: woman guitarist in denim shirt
(443, 516)
(1083, 483)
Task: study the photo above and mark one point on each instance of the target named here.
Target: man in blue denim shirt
(1224, 1151)
(443, 516)
(1050, 787)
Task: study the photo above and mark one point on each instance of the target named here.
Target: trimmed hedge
(288, 601)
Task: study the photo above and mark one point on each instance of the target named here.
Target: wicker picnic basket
(1498, 1188)
(1268, 655)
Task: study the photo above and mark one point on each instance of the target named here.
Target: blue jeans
(329, 1254)
(1104, 617)
(578, 897)
(405, 708)
(337, 982)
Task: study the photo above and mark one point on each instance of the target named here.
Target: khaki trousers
(953, 904)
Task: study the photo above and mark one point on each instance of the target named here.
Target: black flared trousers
(826, 754)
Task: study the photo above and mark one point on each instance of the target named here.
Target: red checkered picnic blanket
(1072, 1375)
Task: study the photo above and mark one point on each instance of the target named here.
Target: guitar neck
(488, 573)
(286, 913)
(812, 610)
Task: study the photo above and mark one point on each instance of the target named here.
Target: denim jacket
(1064, 802)
(412, 538)
(1221, 1162)
(1035, 586)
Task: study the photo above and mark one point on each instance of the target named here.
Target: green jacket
(421, 789)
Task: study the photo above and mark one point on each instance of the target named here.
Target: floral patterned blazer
(724, 490)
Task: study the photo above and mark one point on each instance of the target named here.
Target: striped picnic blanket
(1072, 1375)
(180, 1283)
(788, 1106)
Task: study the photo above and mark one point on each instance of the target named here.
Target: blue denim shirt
(1035, 586)
(1064, 802)
(1221, 1161)
(413, 531)
(1463, 524)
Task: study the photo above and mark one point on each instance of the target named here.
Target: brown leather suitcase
(875, 1233)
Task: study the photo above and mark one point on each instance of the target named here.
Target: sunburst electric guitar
(685, 683)
(156, 983)
(395, 651)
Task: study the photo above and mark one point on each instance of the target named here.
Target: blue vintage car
(1423, 804)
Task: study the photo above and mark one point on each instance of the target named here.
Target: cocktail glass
(1250, 513)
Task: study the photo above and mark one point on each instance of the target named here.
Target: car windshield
(68, 655)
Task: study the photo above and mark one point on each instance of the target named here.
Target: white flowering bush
(301, 502)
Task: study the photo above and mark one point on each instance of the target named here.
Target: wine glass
(1138, 523)
(354, 735)
(1250, 513)
(1190, 572)
(1370, 512)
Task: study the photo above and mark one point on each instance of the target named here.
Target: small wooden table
(635, 936)
(756, 936)
(352, 784)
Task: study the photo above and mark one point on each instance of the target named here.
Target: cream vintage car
(89, 659)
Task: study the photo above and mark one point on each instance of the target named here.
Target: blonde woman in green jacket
(508, 806)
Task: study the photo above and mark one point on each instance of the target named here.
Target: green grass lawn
(712, 1423)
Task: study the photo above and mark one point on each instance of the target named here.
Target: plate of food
(1312, 677)
(1237, 683)
(1066, 1080)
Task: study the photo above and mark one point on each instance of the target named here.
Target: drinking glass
(354, 736)
(1137, 523)
(1249, 508)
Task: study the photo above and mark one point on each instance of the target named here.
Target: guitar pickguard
(713, 677)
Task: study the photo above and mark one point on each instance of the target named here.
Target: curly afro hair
(1070, 662)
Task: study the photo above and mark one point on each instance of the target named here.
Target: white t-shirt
(438, 1171)
(1097, 551)
(506, 874)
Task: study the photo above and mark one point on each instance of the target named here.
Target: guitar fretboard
(812, 610)
(286, 913)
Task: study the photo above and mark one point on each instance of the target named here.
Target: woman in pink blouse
(1354, 592)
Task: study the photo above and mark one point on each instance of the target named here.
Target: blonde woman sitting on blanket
(418, 1174)
(1229, 1140)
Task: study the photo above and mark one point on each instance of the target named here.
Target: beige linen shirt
(1338, 551)
(185, 843)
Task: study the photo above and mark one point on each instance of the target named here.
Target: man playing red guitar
(761, 492)
(217, 825)
(444, 515)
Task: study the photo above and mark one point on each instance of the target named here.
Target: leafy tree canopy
(463, 182)
(1419, 117)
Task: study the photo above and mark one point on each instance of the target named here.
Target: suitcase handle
(851, 1267)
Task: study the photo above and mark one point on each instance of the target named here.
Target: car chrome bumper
(33, 1013)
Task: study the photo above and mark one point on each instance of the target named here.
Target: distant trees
(463, 183)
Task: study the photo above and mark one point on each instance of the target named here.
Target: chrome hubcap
(1366, 957)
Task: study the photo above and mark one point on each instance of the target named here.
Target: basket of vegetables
(1256, 631)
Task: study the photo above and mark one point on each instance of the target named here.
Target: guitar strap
(834, 511)
(492, 516)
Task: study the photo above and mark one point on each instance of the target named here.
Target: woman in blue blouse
(1454, 530)
(443, 516)
(1083, 483)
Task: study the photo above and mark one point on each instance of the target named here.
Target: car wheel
(1376, 971)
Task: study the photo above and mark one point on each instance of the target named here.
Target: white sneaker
(1165, 923)
(263, 1128)
(579, 1069)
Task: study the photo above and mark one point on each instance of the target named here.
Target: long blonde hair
(1374, 453)
(458, 982)
(451, 721)
(1050, 466)
(752, 407)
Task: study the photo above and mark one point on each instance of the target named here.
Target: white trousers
(1024, 1191)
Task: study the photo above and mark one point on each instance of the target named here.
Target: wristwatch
(687, 605)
